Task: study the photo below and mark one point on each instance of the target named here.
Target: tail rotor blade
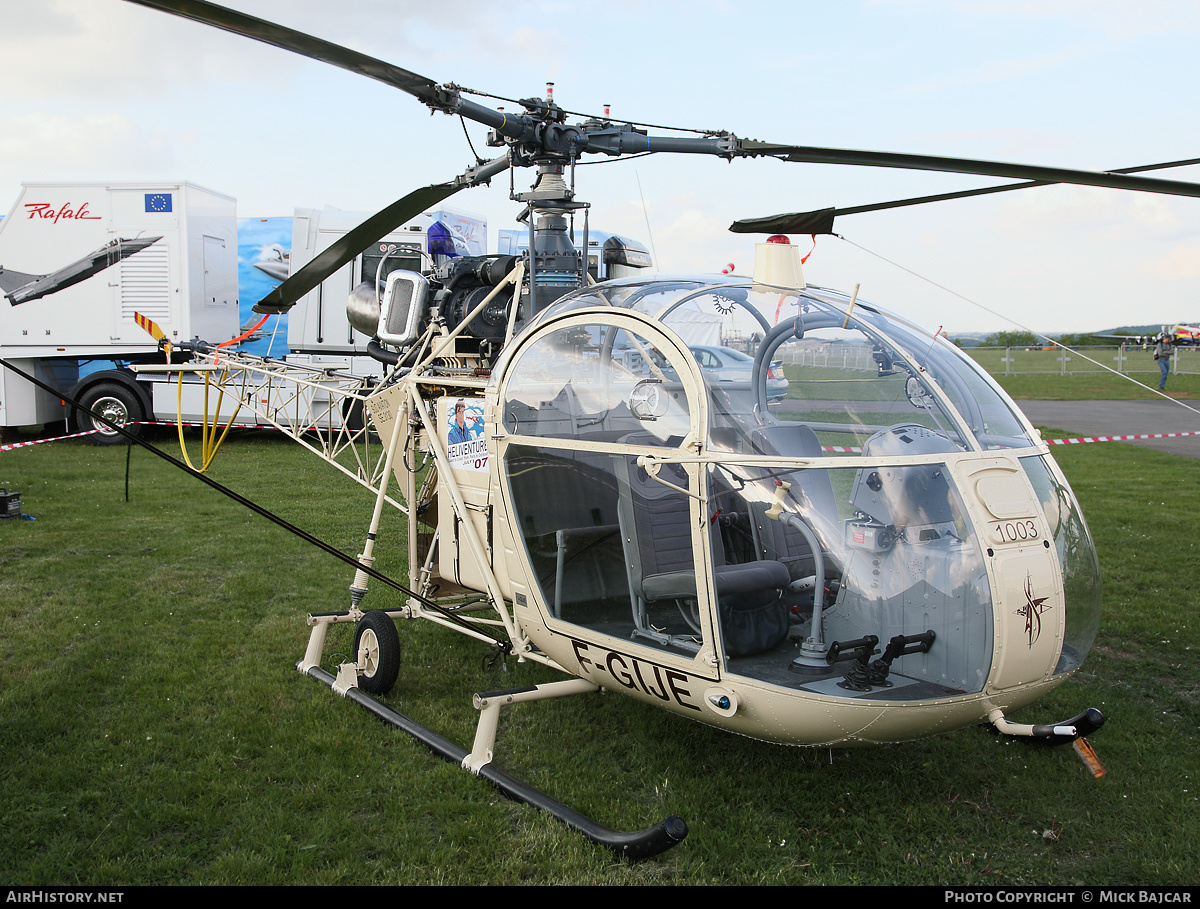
(150, 326)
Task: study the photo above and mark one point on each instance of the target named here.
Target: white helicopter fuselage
(895, 558)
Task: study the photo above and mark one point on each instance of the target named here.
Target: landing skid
(634, 845)
(1073, 731)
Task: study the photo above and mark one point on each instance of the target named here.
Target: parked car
(732, 369)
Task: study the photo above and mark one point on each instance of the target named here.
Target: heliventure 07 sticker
(465, 444)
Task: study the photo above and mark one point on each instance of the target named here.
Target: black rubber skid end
(1085, 724)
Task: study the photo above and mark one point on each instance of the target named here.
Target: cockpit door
(613, 543)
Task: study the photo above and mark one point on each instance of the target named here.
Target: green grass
(1037, 374)
(155, 730)
(1097, 387)
(829, 383)
(818, 383)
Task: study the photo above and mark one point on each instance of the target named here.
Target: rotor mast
(554, 266)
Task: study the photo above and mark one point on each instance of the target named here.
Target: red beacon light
(779, 238)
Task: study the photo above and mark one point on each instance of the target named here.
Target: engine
(398, 312)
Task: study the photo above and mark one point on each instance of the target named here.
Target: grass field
(1090, 386)
(1098, 387)
(1047, 363)
(155, 730)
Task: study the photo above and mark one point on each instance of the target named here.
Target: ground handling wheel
(377, 652)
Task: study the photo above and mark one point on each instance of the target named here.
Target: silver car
(732, 369)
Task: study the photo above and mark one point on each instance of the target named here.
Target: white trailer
(183, 277)
(318, 330)
(185, 280)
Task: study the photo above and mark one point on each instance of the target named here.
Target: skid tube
(637, 845)
(1063, 733)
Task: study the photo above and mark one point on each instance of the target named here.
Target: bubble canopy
(856, 368)
(714, 466)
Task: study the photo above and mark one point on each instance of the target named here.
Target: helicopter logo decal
(1032, 611)
(723, 305)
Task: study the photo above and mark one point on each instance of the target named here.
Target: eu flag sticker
(158, 201)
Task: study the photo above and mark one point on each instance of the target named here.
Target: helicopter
(896, 558)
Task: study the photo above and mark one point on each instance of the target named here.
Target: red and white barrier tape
(1156, 435)
(77, 435)
(834, 448)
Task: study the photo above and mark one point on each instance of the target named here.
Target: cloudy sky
(107, 90)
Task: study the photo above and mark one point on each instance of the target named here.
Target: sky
(105, 90)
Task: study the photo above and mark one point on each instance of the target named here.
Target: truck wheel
(377, 652)
(354, 412)
(353, 416)
(113, 402)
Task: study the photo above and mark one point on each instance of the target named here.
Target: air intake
(405, 306)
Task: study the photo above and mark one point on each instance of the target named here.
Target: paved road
(1121, 418)
(1081, 419)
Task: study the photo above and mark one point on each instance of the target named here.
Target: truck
(175, 254)
(79, 262)
(169, 254)
(318, 332)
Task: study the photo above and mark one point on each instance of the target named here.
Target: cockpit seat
(656, 531)
(785, 438)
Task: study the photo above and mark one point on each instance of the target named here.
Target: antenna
(646, 215)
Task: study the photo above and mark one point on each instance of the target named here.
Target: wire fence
(1008, 361)
(1125, 359)
(838, 355)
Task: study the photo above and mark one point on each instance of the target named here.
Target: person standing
(1162, 353)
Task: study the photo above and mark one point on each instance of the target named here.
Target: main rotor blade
(821, 220)
(379, 225)
(280, 36)
(513, 126)
(1111, 179)
(527, 129)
